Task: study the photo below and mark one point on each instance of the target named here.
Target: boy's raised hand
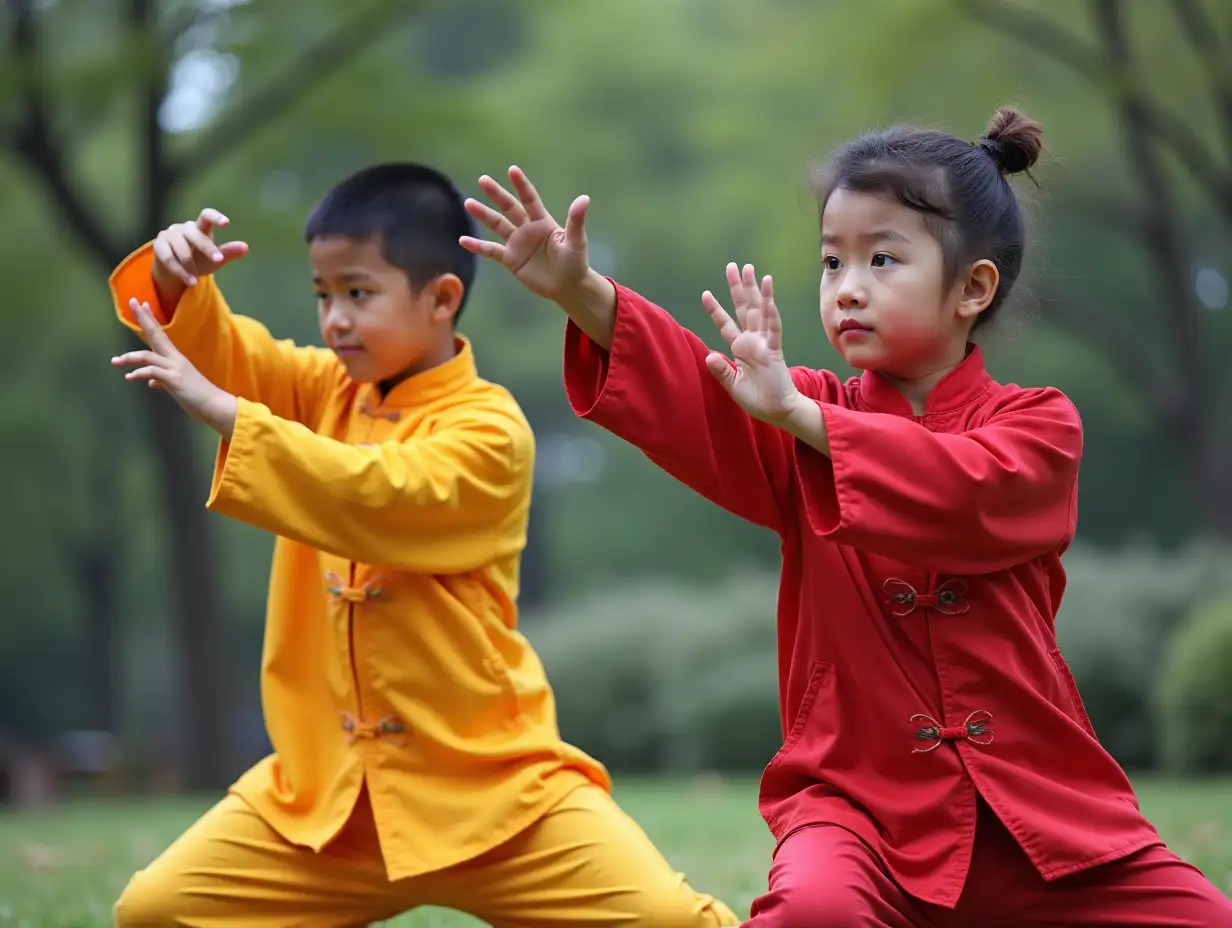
(186, 251)
(549, 260)
(163, 367)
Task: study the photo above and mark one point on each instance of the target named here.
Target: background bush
(1195, 693)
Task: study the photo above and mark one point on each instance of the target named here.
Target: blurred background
(132, 619)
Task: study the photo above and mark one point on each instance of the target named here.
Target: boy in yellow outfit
(416, 757)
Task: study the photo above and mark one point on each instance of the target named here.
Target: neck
(916, 389)
(435, 358)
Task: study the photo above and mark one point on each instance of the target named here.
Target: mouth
(853, 328)
(347, 351)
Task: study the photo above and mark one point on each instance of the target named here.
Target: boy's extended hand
(185, 252)
(759, 381)
(164, 367)
(549, 260)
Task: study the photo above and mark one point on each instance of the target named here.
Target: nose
(851, 293)
(336, 316)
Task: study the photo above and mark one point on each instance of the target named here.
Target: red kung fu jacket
(921, 577)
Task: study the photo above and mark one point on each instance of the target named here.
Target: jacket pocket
(1068, 679)
(819, 677)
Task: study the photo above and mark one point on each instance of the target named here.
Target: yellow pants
(584, 863)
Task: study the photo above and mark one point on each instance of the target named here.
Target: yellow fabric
(584, 863)
(392, 655)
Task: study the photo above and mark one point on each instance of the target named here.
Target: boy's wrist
(169, 288)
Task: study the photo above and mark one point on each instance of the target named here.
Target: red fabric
(975, 500)
(826, 877)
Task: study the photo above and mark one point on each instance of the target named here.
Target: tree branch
(156, 191)
(1129, 351)
(1111, 211)
(1162, 222)
(1035, 30)
(1200, 30)
(34, 141)
(286, 89)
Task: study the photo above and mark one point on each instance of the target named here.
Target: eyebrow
(348, 278)
(879, 235)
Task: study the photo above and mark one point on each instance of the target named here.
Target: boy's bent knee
(685, 910)
(145, 904)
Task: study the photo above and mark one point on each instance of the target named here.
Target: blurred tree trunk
(1173, 364)
(40, 142)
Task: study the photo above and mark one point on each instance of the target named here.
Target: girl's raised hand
(756, 376)
(549, 260)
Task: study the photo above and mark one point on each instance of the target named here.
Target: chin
(360, 372)
(864, 359)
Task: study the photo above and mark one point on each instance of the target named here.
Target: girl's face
(884, 303)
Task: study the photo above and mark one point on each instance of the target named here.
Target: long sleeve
(448, 502)
(233, 352)
(653, 390)
(968, 503)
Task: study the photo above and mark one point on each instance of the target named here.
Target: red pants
(825, 877)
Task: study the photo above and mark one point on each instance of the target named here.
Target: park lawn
(63, 868)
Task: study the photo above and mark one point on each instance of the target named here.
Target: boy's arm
(652, 389)
(236, 353)
(449, 502)
(968, 503)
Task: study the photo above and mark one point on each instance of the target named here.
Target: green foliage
(662, 676)
(1120, 610)
(1195, 693)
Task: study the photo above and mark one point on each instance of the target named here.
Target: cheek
(391, 333)
(829, 304)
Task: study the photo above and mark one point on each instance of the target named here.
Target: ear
(977, 289)
(445, 293)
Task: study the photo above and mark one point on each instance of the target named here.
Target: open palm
(547, 258)
(756, 376)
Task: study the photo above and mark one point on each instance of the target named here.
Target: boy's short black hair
(415, 212)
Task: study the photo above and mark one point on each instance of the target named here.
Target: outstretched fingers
(490, 218)
(505, 201)
(155, 337)
(527, 194)
(754, 318)
(736, 287)
(726, 325)
(770, 311)
(483, 248)
(575, 224)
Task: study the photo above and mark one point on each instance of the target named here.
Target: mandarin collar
(429, 385)
(962, 385)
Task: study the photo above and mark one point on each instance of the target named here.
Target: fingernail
(216, 256)
(192, 281)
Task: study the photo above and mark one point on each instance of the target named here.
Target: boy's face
(883, 303)
(379, 327)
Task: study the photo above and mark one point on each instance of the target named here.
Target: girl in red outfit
(938, 767)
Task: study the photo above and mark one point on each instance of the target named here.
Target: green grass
(63, 868)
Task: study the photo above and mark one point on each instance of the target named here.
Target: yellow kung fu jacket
(391, 652)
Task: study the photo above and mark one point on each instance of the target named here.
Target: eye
(321, 297)
(830, 262)
(358, 295)
(881, 259)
